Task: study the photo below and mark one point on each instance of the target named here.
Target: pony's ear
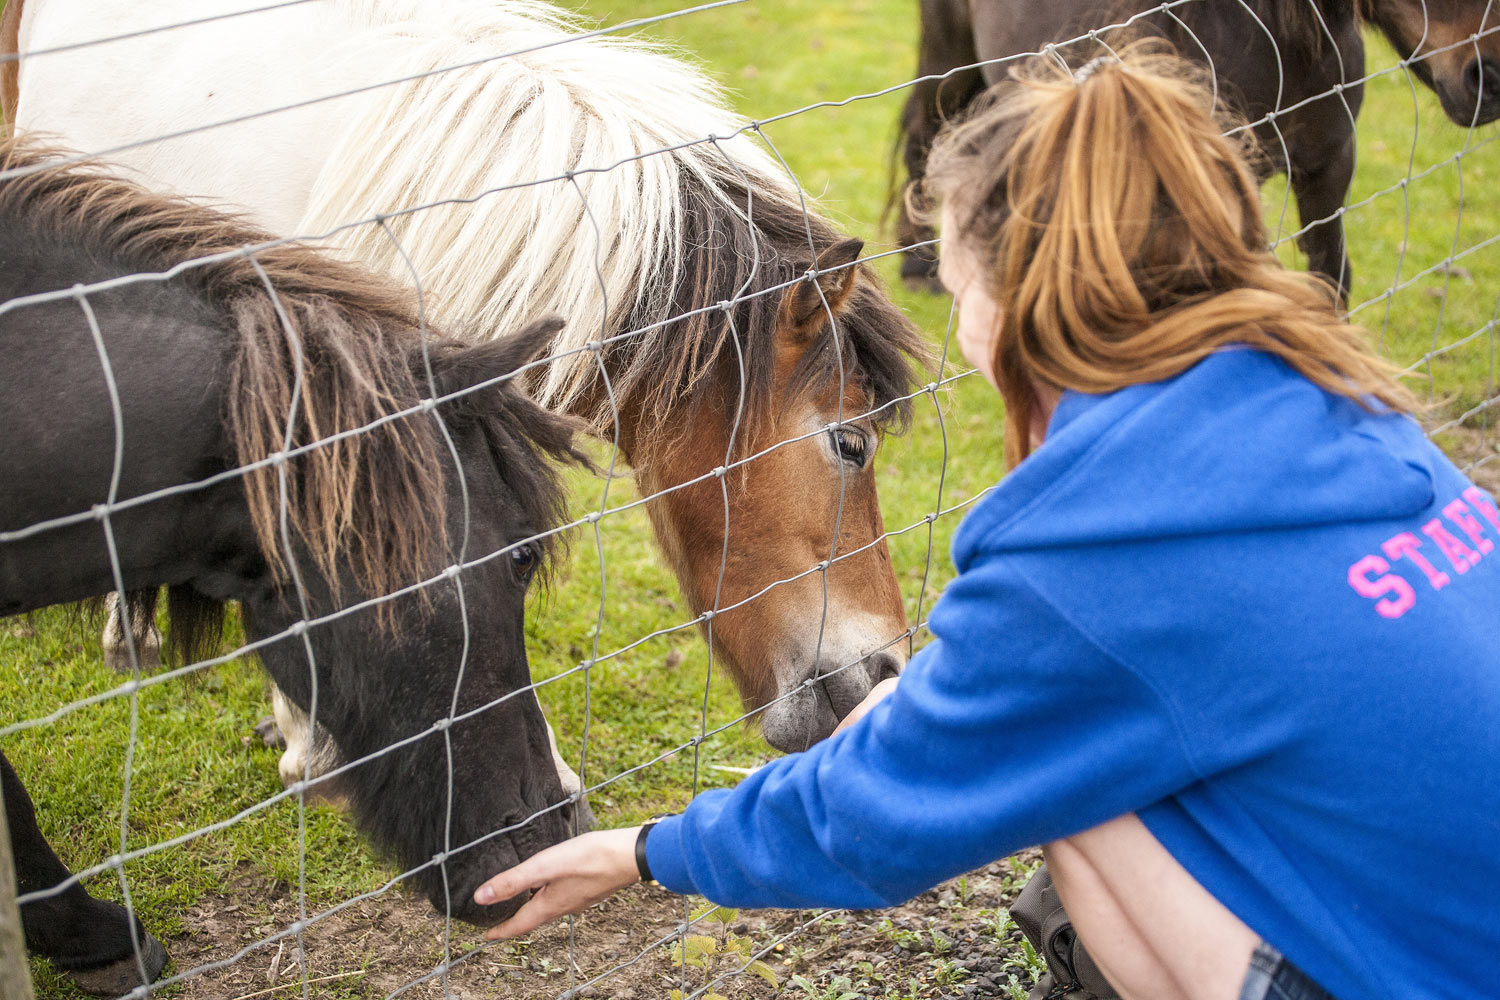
(803, 315)
(468, 366)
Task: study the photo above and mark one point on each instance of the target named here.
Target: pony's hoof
(148, 653)
(119, 978)
(270, 733)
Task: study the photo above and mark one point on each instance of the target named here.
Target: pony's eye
(524, 560)
(851, 445)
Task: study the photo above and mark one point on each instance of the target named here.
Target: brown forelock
(10, 70)
(1124, 239)
(664, 378)
(366, 499)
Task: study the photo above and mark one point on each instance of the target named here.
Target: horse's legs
(88, 938)
(141, 605)
(572, 784)
(1320, 194)
(947, 42)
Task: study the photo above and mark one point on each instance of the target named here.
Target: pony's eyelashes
(524, 560)
(851, 444)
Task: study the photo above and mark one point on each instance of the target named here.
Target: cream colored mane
(511, 251)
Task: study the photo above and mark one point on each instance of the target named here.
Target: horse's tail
(535, 156)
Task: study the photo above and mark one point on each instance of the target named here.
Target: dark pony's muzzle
(469, 912)
(468, 870)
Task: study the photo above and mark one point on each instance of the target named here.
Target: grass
(193, 763)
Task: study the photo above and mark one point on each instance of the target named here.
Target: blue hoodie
(1260, 617)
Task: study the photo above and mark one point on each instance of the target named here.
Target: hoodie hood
(1255, 447)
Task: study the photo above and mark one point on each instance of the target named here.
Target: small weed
(837, 988)
(897, 935)
(946, 972)
(720, 954)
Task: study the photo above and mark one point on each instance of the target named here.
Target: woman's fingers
(532, 873)
(568, 877)
(537, 911)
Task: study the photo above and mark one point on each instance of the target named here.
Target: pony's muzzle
(469, 869)
(823, 696)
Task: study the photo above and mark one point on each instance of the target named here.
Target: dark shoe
(1071, 973)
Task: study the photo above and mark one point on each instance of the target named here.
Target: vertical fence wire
(738, 459)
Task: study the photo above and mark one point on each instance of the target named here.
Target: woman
(1226, 639)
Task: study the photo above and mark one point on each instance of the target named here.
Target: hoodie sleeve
(1010, 729)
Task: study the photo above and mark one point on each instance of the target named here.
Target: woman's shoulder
(1238, 442)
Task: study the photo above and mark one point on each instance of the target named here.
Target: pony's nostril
(1482, 79)
(884, 666)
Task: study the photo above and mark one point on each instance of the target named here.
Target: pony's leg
(1320, 194)
(947, 42)
(1321, 163)
(141, 605)
(88, 938)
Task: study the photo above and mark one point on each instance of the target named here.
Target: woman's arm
(576, 874)
(1011, 729)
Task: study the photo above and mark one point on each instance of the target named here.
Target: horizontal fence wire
(739, 460)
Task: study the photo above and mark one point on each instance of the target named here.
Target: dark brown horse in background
(1292, 68)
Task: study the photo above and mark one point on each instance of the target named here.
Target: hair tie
(1091, 67)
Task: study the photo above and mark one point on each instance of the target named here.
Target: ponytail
(1122, 239)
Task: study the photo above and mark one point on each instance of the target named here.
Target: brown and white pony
(711, 316)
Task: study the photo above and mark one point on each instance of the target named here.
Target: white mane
(511, 256)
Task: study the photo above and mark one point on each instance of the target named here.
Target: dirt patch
(953, 941)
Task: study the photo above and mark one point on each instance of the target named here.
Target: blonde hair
(1122, 236)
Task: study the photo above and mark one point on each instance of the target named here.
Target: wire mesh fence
(755, 495)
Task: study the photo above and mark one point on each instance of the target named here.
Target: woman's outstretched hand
(568, 877)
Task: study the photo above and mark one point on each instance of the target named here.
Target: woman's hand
(568, 877)
(877, 693)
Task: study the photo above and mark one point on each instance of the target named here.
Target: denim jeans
(1272, 977)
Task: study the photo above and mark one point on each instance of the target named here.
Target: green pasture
(193, 760)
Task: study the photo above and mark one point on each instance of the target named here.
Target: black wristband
(641, 864)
